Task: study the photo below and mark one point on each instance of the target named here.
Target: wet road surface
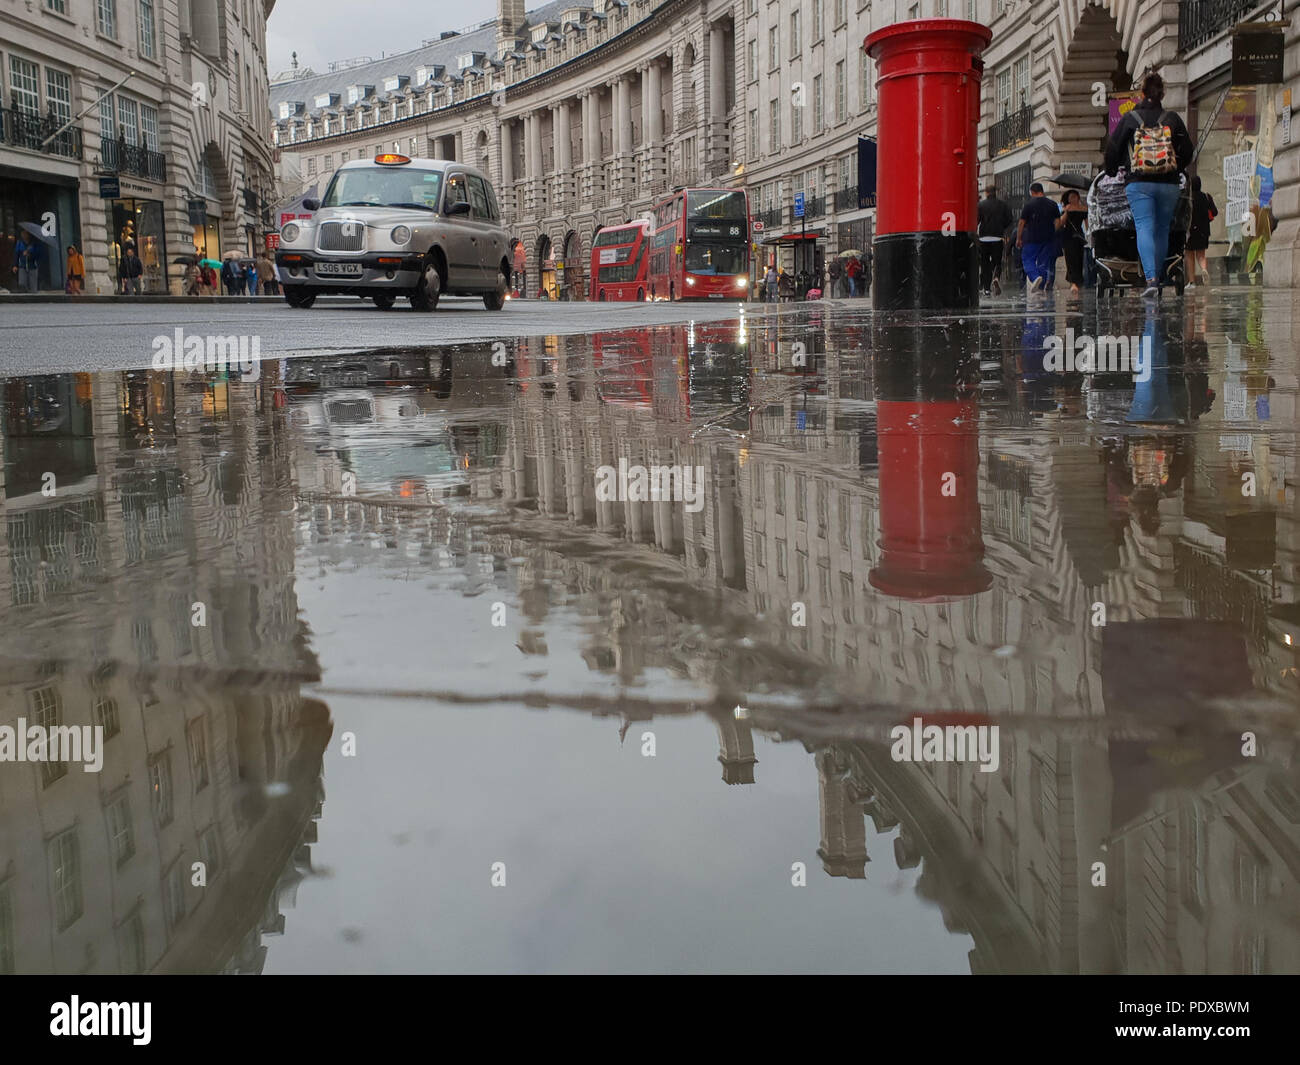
(939, 657)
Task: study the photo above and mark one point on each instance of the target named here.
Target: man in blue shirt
(1036, 237)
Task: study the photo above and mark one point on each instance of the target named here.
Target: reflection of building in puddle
(1200, 847)
(165, 510)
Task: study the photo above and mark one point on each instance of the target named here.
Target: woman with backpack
(1155, 148)
(1204, 211)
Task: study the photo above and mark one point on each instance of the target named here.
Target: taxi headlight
(289, 233)
(401, 234)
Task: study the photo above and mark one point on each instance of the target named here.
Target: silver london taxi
(395, 226)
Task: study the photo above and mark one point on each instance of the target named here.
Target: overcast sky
(324, 30)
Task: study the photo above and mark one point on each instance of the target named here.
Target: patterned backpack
(1152, 153)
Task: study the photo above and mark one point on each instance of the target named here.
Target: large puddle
(935, 657)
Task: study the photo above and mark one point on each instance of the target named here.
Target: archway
(575, 273)
(1096, 65)
(546, 288)
(482, 159)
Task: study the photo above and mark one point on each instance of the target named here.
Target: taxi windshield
(384, 186)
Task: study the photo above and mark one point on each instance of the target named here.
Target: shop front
(135, 217)
(43, 208)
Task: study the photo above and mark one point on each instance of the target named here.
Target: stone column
(623, 138)
(563, 157)
(506, 154)
(654, 130)
(718, 148)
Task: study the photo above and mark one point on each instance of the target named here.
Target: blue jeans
(1037, 259)
(1153, 204)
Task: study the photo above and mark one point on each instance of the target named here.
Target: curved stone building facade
(585, 112)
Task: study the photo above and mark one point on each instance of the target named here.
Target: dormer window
(396, 83)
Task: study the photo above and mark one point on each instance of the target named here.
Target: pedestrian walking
(192, 282)
(27, 262)
(250, 277)
(1036, 237)
(785, 285)
(1154, 146)
(76, 271)
(129, 271)
(266, 276)
(230, 276)
(994, 218)
(852, 270)
(1204, 211)
(864, 275)
(833, 273)
(771, 282)
(1070, 227)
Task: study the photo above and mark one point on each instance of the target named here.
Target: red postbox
(928, 88)
(931, 544)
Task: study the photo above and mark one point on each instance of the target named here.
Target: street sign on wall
(110, 188)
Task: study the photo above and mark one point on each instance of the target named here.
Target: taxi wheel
(496, 299)
(425, 296)
(298, 299)
(384, 301)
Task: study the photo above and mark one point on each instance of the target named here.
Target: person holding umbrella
(27, 260)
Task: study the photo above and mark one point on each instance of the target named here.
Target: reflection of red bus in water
(701, 245)
(619, 262)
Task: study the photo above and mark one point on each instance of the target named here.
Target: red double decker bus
(701, 245)
(619, 262)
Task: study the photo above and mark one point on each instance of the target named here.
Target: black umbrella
(1073, 181)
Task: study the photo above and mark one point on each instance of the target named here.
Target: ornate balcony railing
(846, 199)
(1012, 131)
(132, 159)
(26, 129)
(814, 207)
(771, 219)
(1199, 20)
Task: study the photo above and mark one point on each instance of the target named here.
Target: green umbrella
(210, 262)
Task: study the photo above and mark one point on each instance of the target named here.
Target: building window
(311, 167)
(104, 712)
(753, 134)
(817, 20)
(107, 118)
(327, 163)
(841, 12)
(61, 7)
(841, 92)
(173, 891)
(58, 93)
(130, 944)
(773, 48)
(795, 27)
(65, 877)
(774, 124)
(1021, 75)
(819, 110)
(149, 127)
(796, 120)
(24, 85)
(146, 29)
(121, 833)
(106, 17)
(196, 741)
(1002, 93)
(751, 60)
(160, 787)
(47, 711)
(780, 559)
(128, 118)
(864, 83)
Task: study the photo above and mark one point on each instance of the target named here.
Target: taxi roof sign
(391, 159)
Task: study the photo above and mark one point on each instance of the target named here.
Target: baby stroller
(1113, 237)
